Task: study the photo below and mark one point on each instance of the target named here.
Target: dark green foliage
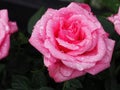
(38, 79)
(46, 88)
(35, 18)
(73, 84)
(20, 82)
(108, 27)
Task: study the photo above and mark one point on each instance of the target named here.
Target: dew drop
(94, 70)
(6, 28)
(41, 27)
(79, 67)
(82, 58)
(80, 15)
(50, 14)
(48, 55)
(109, 48)
(94, 36)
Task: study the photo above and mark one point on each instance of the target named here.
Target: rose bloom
(6, 29)
(115, 19)
(72, 41)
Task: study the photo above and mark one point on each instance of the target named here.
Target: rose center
(71, 32)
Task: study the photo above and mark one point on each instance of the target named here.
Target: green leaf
(35, 18)
(111, 4)
(72, 84)
(20, 82)
(96, 3)
(22, 38)
(118, 47)
(46, 88)
(38, 79)
(103, 75)
(2, 66)
(108, 27)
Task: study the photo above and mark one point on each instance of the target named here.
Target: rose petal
(98, 68)
(2, 34)
(94, 56)
(49, 60)
(4, 47)
(77, 65)
(59, 72)
(87, 44)
(85, 6)
(67, 45)
(13, 27)
(4, 15)
(110, 47)
(41, 24)
(38, 43)
(84, 22)
(50, 30)
(4, 26)
(56, 53)
(115, 19)
(77, 9)
(104, 63)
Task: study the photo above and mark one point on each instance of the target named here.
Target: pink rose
(6, 29)
(72, 41)
(115, 19)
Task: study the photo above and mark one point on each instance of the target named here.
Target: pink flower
(6, 29)
(72, 41)
(115, 19)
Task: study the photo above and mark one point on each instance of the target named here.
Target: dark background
(21, 10)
